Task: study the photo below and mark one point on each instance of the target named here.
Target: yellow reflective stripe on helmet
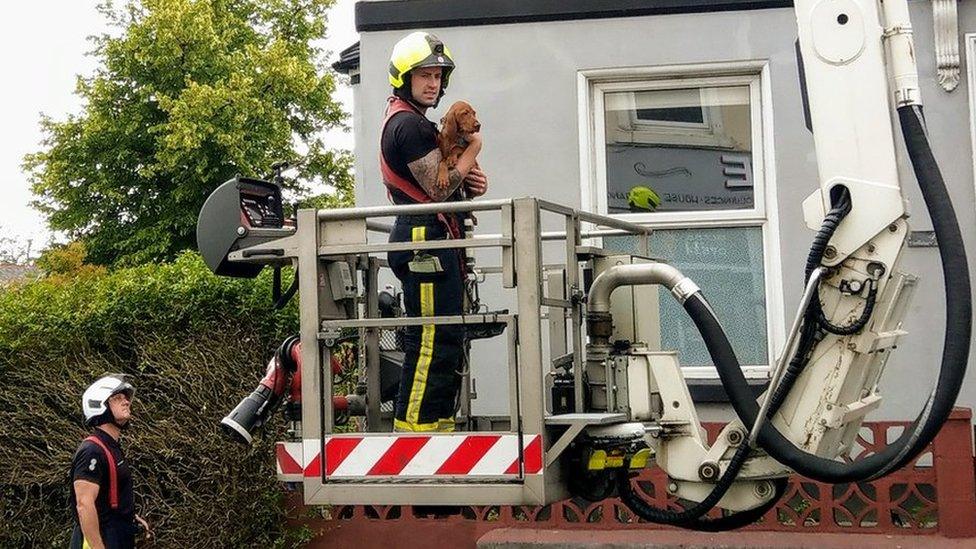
(440, 426)
(409, 51)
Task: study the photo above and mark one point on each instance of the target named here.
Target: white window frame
(593, 84)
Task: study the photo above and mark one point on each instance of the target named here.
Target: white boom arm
(844, 44)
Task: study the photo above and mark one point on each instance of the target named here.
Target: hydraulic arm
(855, 299)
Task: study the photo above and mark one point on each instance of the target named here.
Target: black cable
(284, 353)
(841, 206)
(813, 321)
(275, 285)
(926, 426)
(280, 300)
(855, 326)
(692, 516)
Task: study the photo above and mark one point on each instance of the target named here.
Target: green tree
(188, 93)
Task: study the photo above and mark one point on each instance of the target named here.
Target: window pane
(679, 150)
(690, 115)
(727, 264)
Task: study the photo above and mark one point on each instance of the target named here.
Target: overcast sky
(44, 43)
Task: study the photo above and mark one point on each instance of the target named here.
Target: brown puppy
(460, 121)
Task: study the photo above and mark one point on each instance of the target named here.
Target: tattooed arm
(424, 170)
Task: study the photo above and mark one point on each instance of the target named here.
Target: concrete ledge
(524, 538)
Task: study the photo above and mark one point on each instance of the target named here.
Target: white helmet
(94, 402)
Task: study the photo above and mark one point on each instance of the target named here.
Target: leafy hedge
(195, 344)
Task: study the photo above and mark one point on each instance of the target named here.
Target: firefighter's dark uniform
(117, 525)
(432, 280)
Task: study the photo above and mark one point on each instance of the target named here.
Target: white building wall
(522, 79)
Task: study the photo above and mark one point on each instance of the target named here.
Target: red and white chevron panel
(405, 456)
(288, 457)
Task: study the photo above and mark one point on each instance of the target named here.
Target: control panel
(260, 204)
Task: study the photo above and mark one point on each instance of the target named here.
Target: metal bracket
(576, 423)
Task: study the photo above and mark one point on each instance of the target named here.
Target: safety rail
(325, 238)
(573, 235)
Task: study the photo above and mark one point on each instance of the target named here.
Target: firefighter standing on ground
(101, 481)
(420, 69)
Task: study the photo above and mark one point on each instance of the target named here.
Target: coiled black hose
(742, 518)
(955, 272)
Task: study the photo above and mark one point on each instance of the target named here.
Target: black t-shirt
(90, 464)
(408, 136)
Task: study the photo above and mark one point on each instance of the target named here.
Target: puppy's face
(467, 119)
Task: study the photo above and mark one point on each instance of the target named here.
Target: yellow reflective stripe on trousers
(426, 354)
(418, 234)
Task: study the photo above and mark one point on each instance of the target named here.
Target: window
(686, 152)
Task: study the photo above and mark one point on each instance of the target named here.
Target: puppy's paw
(443, 179)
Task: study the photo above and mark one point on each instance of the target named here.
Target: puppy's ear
(449, 129)
(470, 122)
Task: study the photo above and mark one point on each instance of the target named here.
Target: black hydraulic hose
(691, 517)
(955, 271)
(280, 300)
(742, 518)
(955, 274)
(698, 510)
